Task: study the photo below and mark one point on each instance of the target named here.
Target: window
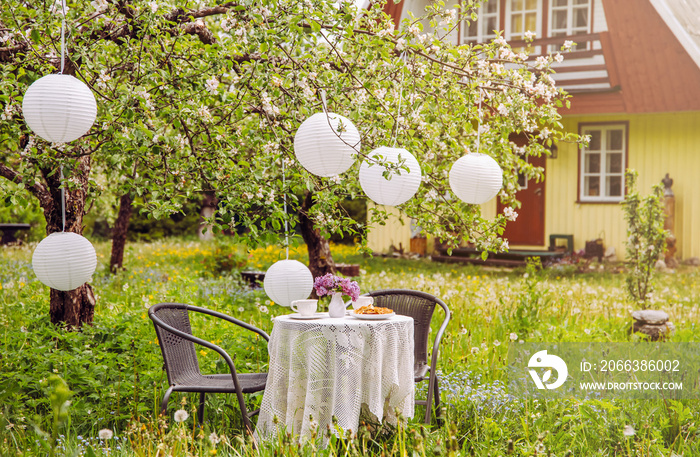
(569, 17)
(522, 16)
(602, 166)
(482, 30)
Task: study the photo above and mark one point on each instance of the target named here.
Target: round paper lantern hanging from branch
(326, 144)
(476, 178)
(64, 260)
(59, 108)
(401, 185)
(288, 280)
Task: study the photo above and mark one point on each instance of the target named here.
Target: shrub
(646, 238)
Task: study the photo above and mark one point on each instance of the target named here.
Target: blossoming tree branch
(205, 100)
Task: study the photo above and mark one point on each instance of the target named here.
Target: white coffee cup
(361, 301)
(305, 307)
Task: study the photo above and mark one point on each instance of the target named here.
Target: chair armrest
(438, 337)
(228, 318)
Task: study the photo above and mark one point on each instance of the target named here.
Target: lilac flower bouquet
(329, 284)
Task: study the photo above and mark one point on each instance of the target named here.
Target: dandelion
(496, 343)
(475, 350)
(263, 309)
(105, 434)
(181, 415)
(628, 430)
(214, 438)
(513, 336)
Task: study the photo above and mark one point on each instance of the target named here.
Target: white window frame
(482, 35)
(509, 21)
(570, 30)
(602, 173)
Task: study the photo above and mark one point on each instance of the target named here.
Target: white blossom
(541, 62)
(212, 85)
(267, 105)
(103, 79)
(154, 6)
(204, 113)
(8, 112)
(105, 434)
(530, 35)
(387, 30)
(628, 430)
(100, 5)
(510, 213)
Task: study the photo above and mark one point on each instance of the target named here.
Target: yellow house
(634, 77)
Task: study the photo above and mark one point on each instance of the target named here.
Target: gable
(654, 71)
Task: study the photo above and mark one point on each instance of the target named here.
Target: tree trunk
(76, 307)
(121, 227)
(205, 231)
(320, 258)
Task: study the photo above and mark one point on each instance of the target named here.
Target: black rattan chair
(420, 306)
(172, 323)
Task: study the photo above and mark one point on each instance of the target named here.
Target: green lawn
(114, 367)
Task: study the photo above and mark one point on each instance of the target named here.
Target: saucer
(372, 317)
(300, 317)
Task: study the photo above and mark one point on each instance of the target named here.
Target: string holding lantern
(288, 280)
(59, 108)
(399, 185)
(326, 144)
(476, 178)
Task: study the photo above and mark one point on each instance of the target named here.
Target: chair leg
(436, 397)
(428, 400)
(164, 402)
(200, 411)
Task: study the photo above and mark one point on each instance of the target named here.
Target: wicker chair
(172, 324)
(420, 306)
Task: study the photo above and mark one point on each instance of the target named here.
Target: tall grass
(113, 368)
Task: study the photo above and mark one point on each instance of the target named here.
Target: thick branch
(37, 189)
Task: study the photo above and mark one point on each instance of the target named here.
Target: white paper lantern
(59, 108)
(288, 280)
(476, 178)
(326, 145)
(403, 184)
(64, 260)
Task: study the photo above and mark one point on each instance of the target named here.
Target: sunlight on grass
(114, 367)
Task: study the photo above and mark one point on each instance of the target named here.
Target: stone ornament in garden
(652, 322)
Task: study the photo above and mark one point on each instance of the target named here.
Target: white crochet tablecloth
(332, 367)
